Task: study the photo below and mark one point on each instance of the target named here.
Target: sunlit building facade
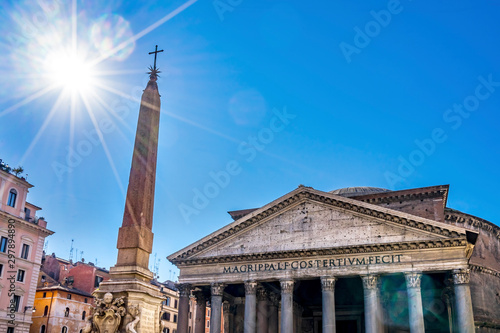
(358, 259)
(22, 237)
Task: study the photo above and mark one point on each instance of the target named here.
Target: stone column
(328, 301)
(372, 304)
(447, 298)
(200, 312)
(262, 310)
(415, 309)
(250, 306)
(286, 306)
(183, 320)
(217, 290)
(273, 322)
(226, 312)
(463, 302)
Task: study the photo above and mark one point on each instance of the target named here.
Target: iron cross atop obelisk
(155, 52)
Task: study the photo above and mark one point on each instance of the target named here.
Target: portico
(313, 261)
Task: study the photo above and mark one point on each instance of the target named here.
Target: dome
(358, 190)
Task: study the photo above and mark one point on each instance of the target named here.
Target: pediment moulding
(303, 194)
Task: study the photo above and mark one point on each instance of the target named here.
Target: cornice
(359, 249)
(26, 224)
(481, 269)
(454, 216)
(388, 197)
(306, 193)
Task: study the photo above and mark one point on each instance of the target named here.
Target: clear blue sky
(328, 95)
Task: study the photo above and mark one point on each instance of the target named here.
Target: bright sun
(70, 71)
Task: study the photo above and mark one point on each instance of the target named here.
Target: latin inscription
(147, 319)
(306, 264)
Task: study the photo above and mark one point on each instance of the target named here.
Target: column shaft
(250, 307)
(328, 302)
(463, 301)
(216, 307)
(273, 322)
(415, 309)
(200, 312)
(262, 310)
(372, 304)
(286, 306)
(183, 320)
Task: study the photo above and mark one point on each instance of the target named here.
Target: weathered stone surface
(314, 226)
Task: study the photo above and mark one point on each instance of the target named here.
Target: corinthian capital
(370, 281)
(250, 287)
(217, 289)
(461, 276)
(328, 283)
(413, 279)
(286, 286)
(184, 289)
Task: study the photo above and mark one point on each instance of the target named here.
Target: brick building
(60, 307)
(22, 236)
(86, 276)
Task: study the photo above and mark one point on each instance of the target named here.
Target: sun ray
(144, 32)
(103, 142)
(28, 99)
(74, 40)
(119, 72)
(185, 120)
(51, 114)
(112, 112)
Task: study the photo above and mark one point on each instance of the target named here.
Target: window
(1, 269)
(27, 213)
(12, 198)
(25, 251)
(69, 296)
(64, 330)
(45, 310)
(167, 302)
(10, 329)
(3, 244)
(66, 313)
(42, 329)
(20, 275)
(85, 300)
(167, 316)
(208, 323)
(83, 315)
(175, 318)
(97, 281)
(44, 294)
(16, 301)
(175, 304)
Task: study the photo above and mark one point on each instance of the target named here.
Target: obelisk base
(142, 302)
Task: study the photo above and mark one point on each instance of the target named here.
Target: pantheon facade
(358, 259)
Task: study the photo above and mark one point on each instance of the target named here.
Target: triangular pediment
(307, 219)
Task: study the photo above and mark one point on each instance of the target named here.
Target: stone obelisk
(130, 277)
